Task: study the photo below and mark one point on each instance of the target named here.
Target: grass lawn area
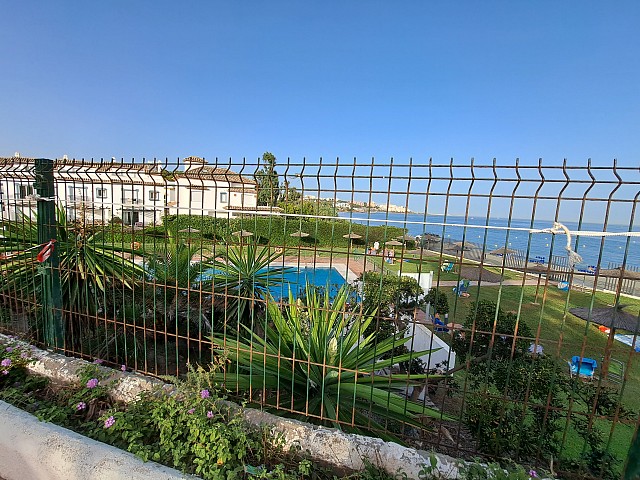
(564, 335)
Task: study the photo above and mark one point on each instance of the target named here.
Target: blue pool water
(296, 279)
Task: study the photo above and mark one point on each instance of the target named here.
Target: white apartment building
(137, 193)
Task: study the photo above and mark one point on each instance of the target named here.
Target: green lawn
(564, 335)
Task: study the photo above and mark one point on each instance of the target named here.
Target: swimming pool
(296, 278)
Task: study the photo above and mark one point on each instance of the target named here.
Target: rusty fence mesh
(474, 309)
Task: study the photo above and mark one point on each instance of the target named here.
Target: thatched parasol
(479, 274)
(619, 273)
(392, 243)
(351, 236)
(503, 251)
(611, 317)
(189, 230)
(242, 233)
(406, 238)
(299, 234)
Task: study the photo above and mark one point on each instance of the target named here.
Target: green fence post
(632, 468)
(49, 269)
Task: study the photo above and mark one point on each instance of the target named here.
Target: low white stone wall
(35, 450)
(333, 447)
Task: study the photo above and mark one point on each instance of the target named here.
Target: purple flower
(533, 474)
(98, 361)
(109, 422)
(5, 372)
(123, 368)
(204, 393)
(81, 406)
(93, 383)
(9, 349)
(209, 414)
(7, 363)
(24, 355)
(191, 410)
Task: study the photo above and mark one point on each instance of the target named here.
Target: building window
(224, 197)
(101, 193)
(24, 190)
(154, 195)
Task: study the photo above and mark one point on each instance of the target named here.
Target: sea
(514, 234)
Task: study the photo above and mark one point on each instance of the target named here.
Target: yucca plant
(171, 267)
(242, 276)
(314, 359)
(88, 267)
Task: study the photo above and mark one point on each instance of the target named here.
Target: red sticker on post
(46, 252)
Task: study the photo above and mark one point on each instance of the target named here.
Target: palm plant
(313, 359)
(171, 268)
(90, 270)
(88, 267)
(242, 275)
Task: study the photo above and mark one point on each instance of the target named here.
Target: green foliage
(313, 356)
(242, 276)
(307, 207)
(496, 332)
(268, 182)
(390, 296)
(438, 300)
(14, 358)
(89, 267)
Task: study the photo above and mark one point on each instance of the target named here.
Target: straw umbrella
(479, 274)
(406, 238)
(189, 230)
(242, 234)
(503, 251)
(613, 318)
(299, 234)
(351, 236)
(622, 274)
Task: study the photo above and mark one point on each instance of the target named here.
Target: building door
(130, 217)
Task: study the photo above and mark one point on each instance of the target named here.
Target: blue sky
(334, 79)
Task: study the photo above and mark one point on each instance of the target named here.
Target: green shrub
(438, 301)
(313, 358)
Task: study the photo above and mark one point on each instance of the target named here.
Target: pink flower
(5, 372)
(98, 361)
(123, 368)
(109, 422)
(81, 406)
(191, 410)
(93, 383)
(533, 474)
(204, 393)
(7, 362)
(9, 349)
(209, 414)
(24, 355)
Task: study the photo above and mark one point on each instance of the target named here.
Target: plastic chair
(582, 367)
(462, 287)
(447, 267)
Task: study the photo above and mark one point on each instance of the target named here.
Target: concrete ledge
(30, 449)
(342, 451)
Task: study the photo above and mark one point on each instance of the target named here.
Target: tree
(268, 181)
(392, 297)
(438, 300)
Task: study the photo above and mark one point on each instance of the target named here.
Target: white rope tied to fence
(558, 228)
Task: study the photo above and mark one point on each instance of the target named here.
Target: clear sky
(419, 79)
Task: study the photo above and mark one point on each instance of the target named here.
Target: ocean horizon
(514, 234)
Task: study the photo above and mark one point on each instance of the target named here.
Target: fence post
(49, 269)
